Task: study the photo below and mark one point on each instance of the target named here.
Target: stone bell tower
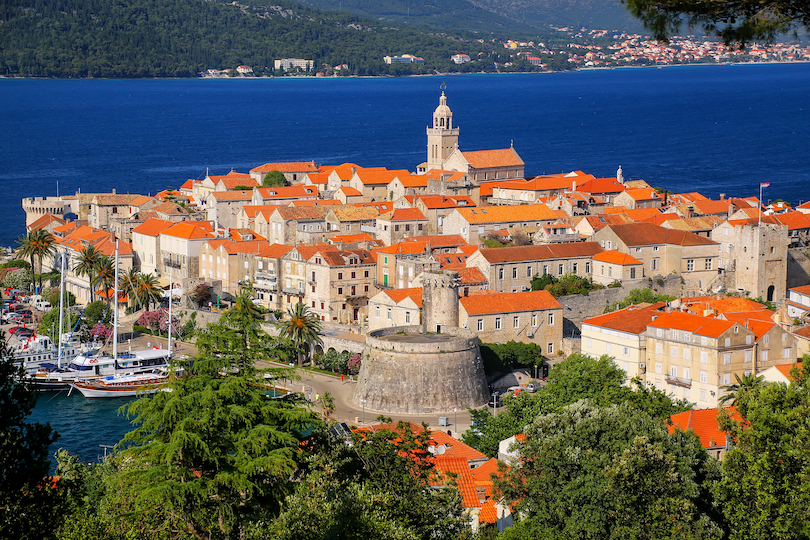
(439, 300)
(442, 138)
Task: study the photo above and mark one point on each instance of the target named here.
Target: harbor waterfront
(713, 129)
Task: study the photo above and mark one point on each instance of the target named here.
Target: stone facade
(439, 300)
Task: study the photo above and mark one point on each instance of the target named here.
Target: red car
(19, 329)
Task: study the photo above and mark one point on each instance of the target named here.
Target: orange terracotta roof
(541, 252)
(350, 212)
(720, 304)
(251, 211)
(757, 325)
(274, 251)
(794, 220)
(507, 214)
(152, 227)
(190, 230)
(301, 213)
(438, 241)
(350, 191)
(318, 178)
(44, 221)
(404, 248)
(485, 159)
(316, 202)
(702, 326)
(454, 447)
(370, 177)
(351, 238)
(141, 199)
(435, 202)
(509, 302)
(398, 295)
(233, 179)
(471, 276)
(188, 184)
(232, 195)
(616, 257)
(705, 425)
(645, 234)
(289, 192)
(711, 207)
(632, 319)
(289, 167)
(456, 470)
(600, 185)
(785, 369)
(403, 214)
(413, 180)
(642, 194)
(233, 247)
(381, 207)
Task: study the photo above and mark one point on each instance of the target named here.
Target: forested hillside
(181, 38)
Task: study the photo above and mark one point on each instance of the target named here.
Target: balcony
(292, 290)
(170, 263)
(679, 381)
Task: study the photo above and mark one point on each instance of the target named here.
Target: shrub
(19, 278)
(101, 332)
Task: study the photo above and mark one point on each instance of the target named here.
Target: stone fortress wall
(407, 372)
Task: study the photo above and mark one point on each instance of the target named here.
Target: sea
(708, 128)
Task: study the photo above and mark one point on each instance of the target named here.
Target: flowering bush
(152, 319)
(164, 324)
(353, 366)
(19, 278)
(101, 332)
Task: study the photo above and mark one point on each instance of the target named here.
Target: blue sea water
(713, 129)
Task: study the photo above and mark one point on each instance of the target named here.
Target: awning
(162, 282)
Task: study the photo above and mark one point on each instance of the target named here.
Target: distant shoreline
(447, 74)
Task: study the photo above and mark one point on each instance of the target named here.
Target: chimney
(722, 196)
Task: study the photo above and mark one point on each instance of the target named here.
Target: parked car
(14, 330)
(532, 387)
(13, 316)
(495, 400)
(514, 390)
(43, 305)
(24, 333)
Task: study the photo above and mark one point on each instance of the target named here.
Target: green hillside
(181, 38)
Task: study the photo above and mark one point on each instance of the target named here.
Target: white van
(43, 305)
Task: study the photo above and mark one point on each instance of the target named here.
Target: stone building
(528, 317)
(754, 256)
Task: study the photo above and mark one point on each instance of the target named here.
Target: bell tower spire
(442, 138)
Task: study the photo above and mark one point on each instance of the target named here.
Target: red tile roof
(289, 192)
(398, 295)
(632, 319)
(646, 234)
(233, 179)
(290, 167)
(274, 251)
(152, 227)
(702, 326)
(704, 423)
(616, 257)
(403, 214)
(541, 252)
(190, 230)
(507, 214)
(485, 159)
(600, 185)
(44, 221)
(509, 302)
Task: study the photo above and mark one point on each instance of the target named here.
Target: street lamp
(363, 401)
(495, 403)
(455, 420)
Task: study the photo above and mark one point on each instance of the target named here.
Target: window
(703, 340)
(748, 339)
(408, 317)
(786, 352)
(313, 304)
(396, 228)
(589, 342)
(365, 288)
(632, 273)
(500, 273)
(708, 264)
(763, 355)
(514, 273)
(690, 265)
(528, 271)
(377, 311)
(365, 273)
(673, 351)
(419, 227)
(658, 368)
(704, 376)
(497, 323)
(728, 342)
(340, 290)
(561, 269)
(321, 305)
(654, 264)
(626, 352)
(673, 371)
(727, 378)
(574, 268)
(550, 348)
(727, 358)
(551, 319)
(534, 319)
(516, 322)
(703, 395)
(354, 274)
(388, 313)
(687, 354)
(587, 268)
(659, 348)
(655, 248)
(784, 337)
(354, 290)
(545, 269)
(748, 356)
(480, 325)
(385, 260)
(607, 347)
(767, 339)
(704, 357)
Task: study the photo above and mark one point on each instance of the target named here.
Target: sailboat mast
(61, 312)
(115, 311)
(171, 298)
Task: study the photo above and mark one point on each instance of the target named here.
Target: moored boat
(123, 385)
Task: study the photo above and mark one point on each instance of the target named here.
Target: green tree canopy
(612, 472)
(274, 179)
(638, 296)
(737, 21)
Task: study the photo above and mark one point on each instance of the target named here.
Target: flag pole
(759, 219)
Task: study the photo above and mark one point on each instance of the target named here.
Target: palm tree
(327, 405)
(148, 290)
(26, 249)
(87, 265)
(740, 393)
(105, 276)
(303, 328)
(129, 285)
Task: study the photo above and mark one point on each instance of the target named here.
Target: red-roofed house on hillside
(705, 425)
(638, 198)
(231, 260)
(180, 247)
(395, 225)
(663, 251)
(693, 357)
(47, 222)
(511, 269)
(294, 172)
(613, 266)
(268, 275)
(780, 373)
(339, 284)
(528, 317)
(535, 189)
(224, 182)
(395, 307)
(621, 334)
(755, 255)
(437, 207)
(72, 239)
(399, 264)
(474, 224)
(146, 244)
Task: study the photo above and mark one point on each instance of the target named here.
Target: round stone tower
(439, 300)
